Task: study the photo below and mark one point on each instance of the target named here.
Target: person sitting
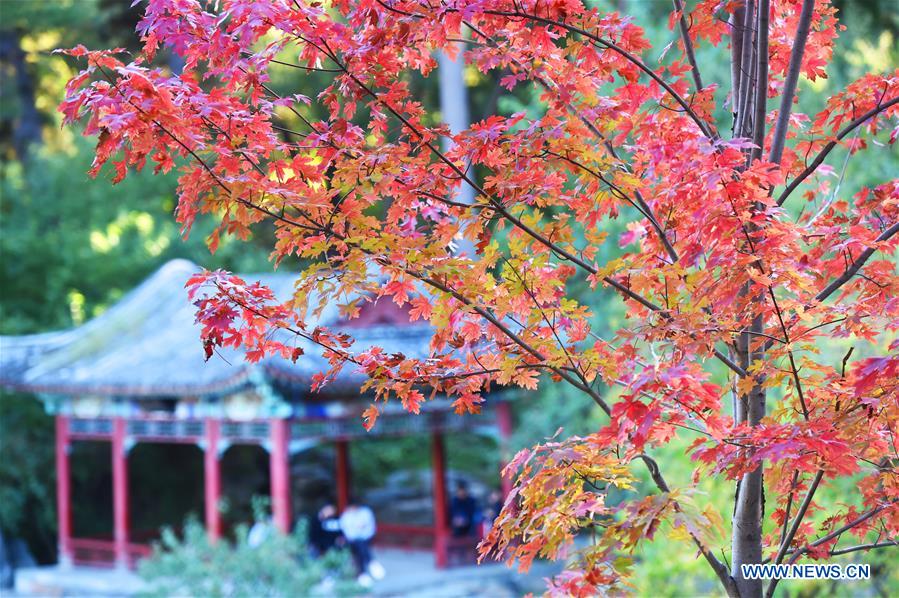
(324, 531)
(357, 522)
(464, 516)
(463, 511)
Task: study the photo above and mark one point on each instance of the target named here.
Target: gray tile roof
(148, 345)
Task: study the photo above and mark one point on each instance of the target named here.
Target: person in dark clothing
(324, 532)
(493, 508)
(463, 511)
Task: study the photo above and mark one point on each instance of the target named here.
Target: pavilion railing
(166, 430)
(98, 552)
(460, 550)
(401, 535)
(87, 428)
(101, 553)
(253, 431)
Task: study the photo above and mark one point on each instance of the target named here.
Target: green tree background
(71, 246)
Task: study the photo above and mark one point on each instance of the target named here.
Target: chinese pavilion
(137, 374)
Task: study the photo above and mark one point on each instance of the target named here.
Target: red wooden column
(63, 490)
(343, 474)
(441, 515)
(279, 468)
(120, 492)
(504, 423)
(212, 480)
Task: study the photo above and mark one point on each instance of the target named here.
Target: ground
(409, 574)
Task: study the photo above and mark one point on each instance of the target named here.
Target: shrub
(282, 565)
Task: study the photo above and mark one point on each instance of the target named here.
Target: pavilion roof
(148, 345)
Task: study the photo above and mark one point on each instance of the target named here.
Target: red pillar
(343, 474)
(504, 423)
(63, 490)
(120, 492)
(441, 515)
(212, 480)
(279, 467)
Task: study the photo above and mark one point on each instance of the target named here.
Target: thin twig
(829, 146)
(688, 44)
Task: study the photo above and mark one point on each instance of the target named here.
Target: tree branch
(789, 90)
(639, 203)
(861, 547)
(851, 270)
(747, 68)
(838, 532)
(625, 291)
(688, 44)
(786, 524)
(761, 82)
(511, 335)
(704, 127)
(517, 222)
(857, 264)
(800, 514)
(834, 534)
(819, 159)
(735, 20)
(783, 328)
(717, 566)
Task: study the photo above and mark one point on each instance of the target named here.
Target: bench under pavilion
(137, 374)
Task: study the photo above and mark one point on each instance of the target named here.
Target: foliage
(470, 454)
(282, 565)
(32, 78)
(26, 475)
(740, 259)
(68, 247)
(66, 254)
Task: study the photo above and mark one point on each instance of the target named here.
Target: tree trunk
(454, 104)
(455, 113)
(749, 507)
(749, 51)
(27, 126)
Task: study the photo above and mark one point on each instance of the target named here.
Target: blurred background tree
(69, 246)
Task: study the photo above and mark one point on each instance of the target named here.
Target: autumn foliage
(739, 256)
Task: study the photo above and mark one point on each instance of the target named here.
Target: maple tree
(737, 251)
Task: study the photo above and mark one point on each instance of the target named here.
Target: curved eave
(232, 383)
